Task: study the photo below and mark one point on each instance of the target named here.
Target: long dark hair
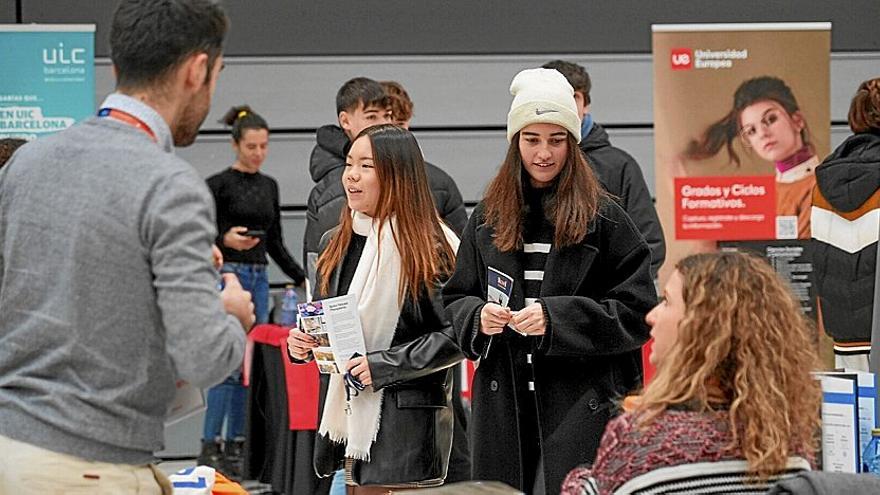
(425, 255)
(864, 111)
(242, 118)
(724, 131)
(577, 199)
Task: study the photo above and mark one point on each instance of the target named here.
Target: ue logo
(682, 58)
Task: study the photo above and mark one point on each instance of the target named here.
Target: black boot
(233, 455)
(212, 455)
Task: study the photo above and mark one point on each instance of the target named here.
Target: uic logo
(59, 55)
(682, 58)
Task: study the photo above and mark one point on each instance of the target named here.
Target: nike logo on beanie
(542, 111)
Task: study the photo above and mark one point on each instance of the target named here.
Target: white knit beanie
(542, 96)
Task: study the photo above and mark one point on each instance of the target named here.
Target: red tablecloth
(646, 364)
(301, 379)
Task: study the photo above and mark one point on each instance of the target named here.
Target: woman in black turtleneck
(249, 228)
(568, 341)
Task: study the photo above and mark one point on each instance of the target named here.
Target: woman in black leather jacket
(391, 251)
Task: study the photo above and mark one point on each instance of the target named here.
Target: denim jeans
(227, 400)
(337, 487)
(254, 279)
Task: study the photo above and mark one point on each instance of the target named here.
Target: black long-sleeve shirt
(251, 200)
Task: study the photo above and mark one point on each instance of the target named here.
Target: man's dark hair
(577, 76)
(8, 147)
(149, 39)
(360, 91)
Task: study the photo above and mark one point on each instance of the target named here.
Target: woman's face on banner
(544, 149)
(359, 179)
(771, 131)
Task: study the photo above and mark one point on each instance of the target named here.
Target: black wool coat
(596, 295)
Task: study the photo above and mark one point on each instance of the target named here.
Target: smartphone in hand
(254, 233)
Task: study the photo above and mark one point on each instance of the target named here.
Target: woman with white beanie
(567, 342)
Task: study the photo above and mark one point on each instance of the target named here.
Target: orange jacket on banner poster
(741, 119)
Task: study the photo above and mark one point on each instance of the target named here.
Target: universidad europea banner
(741, 120)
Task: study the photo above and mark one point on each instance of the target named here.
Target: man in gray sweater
(107, 291)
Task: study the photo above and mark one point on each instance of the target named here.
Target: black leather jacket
(415, 434)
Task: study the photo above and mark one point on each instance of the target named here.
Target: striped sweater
(679, 452)
(845, 227)
(538, 234)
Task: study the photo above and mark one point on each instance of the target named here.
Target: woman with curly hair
(733, 353)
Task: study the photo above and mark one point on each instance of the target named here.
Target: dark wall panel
(361, 27)
(7, 11)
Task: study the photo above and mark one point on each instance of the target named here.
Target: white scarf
(376, 286)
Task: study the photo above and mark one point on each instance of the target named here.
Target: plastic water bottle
(288, 308)
(871, 455)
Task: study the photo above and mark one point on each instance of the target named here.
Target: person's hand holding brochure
(334, 327)
(495, 315)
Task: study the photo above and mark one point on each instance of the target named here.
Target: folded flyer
(499, 288)
(336, 325)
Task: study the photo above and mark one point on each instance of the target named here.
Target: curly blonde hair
(744, 332)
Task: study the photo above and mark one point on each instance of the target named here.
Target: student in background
(846, 225)
(615, 169)
(249, 228)
(733, 353)
(360, 103)
(551, 363)
(393, 253)
(447, 197)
